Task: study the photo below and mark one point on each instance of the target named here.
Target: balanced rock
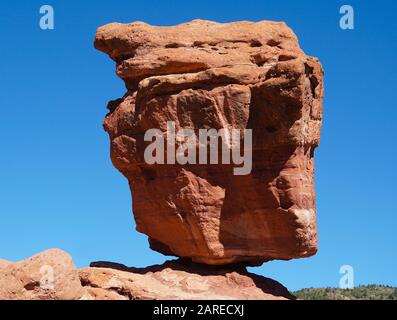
(208, 75)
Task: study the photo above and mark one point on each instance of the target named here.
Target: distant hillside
(370, 292)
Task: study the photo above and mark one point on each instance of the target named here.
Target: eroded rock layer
(202, 74)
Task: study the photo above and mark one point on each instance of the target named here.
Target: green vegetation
(369, 292)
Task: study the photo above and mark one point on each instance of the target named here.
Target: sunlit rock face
(203, 74)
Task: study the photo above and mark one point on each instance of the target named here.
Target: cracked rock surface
(203, 74)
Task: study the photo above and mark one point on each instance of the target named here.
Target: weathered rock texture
(30, 280)
(176, 280)
(203, 74)
(50, 275)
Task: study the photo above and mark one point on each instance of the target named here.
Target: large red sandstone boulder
(202, 74)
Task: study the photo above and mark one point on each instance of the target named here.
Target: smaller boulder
(49, 275)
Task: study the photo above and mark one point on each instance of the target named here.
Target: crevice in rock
(32, 285)
(273, 43)
(121, 291)
(313, 80)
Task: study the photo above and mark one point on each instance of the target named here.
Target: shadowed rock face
(202, 74)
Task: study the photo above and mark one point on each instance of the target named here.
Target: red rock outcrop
(202, 74)
(51, 275)
(179, 280)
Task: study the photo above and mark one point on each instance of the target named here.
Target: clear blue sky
(58, 187)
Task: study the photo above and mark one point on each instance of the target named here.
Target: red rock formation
(203, 74)
(51, 275)
(178, 280)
